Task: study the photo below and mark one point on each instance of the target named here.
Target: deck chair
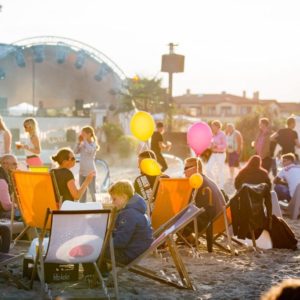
(165, 235)
(38, 168)
(35, 193)
(78, 236)
(173, 195)
(293, 207)
(5, 260)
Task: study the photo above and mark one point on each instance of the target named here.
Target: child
(133, 232)
(87, 147)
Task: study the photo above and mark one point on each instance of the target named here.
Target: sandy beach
(216, 275)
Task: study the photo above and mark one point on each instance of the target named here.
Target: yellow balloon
(142, 125)
(150, 167)
(196, 181)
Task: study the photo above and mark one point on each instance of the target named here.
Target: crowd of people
(133, 232)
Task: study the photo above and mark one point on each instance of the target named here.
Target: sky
(229, 45)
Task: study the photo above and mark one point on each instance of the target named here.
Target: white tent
(22, 108)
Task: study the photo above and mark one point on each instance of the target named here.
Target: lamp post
(171, 63)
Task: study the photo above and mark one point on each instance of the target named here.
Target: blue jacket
(133, 231)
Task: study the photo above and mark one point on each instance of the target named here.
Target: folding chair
(77, 237)
(38, 168)
(35, 193)
(165, 234)
(6, 259)
(294, 205)
(173, 195)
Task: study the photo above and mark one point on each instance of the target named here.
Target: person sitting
(193, 165)
(252, 173)
(251, 193)
(133, 233)
(143, 184)
(64, 177)
(8, 164)
(288, 178)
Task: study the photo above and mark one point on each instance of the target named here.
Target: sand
(216, 275)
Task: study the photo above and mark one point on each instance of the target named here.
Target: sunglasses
(188, 167)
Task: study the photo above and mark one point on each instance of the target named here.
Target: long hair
(33, 125)
(90, 130)
(254, 163)
(2, 125)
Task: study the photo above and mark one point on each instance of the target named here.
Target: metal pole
(170, 98)
(170, 101)
(33, 86)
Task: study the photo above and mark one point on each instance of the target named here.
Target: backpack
(281, 234)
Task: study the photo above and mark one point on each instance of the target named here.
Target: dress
(155, 140)
(62, 177)
(87, 153)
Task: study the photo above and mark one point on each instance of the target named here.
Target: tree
(146, 94)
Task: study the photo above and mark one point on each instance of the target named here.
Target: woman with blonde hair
(32, 146)
(87, 147)
(5, 139)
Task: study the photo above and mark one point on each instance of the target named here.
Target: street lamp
(171, 63)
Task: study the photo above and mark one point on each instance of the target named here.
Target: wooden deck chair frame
(34, 193)
(107, 242)
(165, 234)
(223, 219)
(6, 259)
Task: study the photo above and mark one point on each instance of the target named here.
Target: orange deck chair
(35, 193)
(172, 196)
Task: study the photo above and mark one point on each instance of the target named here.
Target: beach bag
(282, 235)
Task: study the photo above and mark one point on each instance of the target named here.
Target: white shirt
(291, 174)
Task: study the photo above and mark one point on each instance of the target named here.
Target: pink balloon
(199, 137)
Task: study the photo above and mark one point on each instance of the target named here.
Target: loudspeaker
(172, 63)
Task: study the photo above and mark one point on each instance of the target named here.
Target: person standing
(262, 143)
(5, 139)
(32, 146)
(158, 145)
(216, 163)
(287, 137)
(234, 141)
(87, 147)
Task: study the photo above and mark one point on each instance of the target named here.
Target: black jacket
(247, 209)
